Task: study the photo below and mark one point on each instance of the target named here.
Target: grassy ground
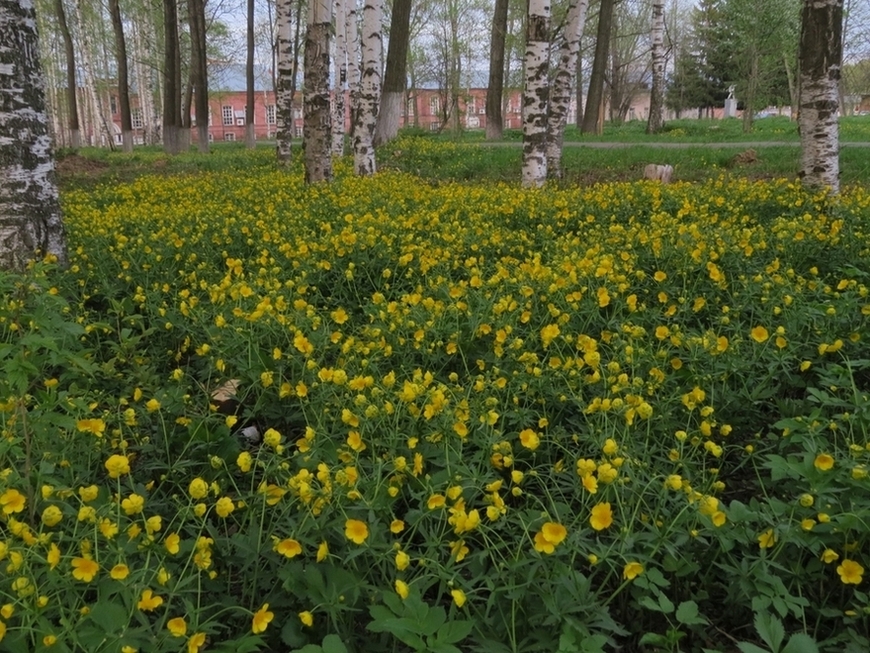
(468, 157)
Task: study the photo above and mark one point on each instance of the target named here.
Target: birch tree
(339, 110)
(536, 94)
(370, 88)
(560, 90)
(821, 55)
(30, 222)
(317, 145)
(250, 134)
(99, 122)
(657, 91)
(284, 86)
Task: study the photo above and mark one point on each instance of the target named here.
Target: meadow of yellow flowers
(487, 419)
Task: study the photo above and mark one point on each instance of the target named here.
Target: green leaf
(454, 631)
(433, 620)
(687, 614)
(654, 639)
(666, 604)
(801, 643)
(650, 603)
(333, 644)
(110, 617)
(308, 648)
(770, 630)
(746, 647)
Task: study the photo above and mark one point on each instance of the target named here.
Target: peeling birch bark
(656, 121)
(370, 89)
(536, 94)
(318, 121)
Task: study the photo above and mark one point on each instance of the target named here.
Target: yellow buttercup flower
(289, 548)
(823, 462)
(12, 501)
(601, 517)
(356, 531)
(261, 619)
(149, 601)
(177, 626)
(119, 572)
(402, 589)
(767, 539)
(84, 569)
(632, 570)
(117, 465)
(850, 572)
(459, 597)
(759, 334)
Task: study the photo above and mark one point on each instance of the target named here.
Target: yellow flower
(84, 569)
(49, 640)
(306, 618)
(224, 507)
(322, 551)
(632, 570)
(196, 642)
(172, 543)
(261, 620)
(149, 601)
(117, 465)
(436, 501)
(397, 526)
(289, 548)
(759, 334)
(529, 439)
(602, 516)
(7, 610)
(806, 500)
(152, 405)
(52, 557)
(402, 560)
(402, 589)
(719, 518)
(272, 438)
(95, 426)
(850, 572)
(177, 626)
(356, 531)
(244, 462)
(550, 536)
(823, 462)
(549, 333)
(829, 556)
(119, 572)
(51, 516)
(459, 597)
(198, 488)
(133, 504)
(767, 539)
(89, 493)
(12, 501)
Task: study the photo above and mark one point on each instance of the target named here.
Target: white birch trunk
(284, 81)
(318, 155)
(656, 121)
(353, 58)
(536, 94)
(370, 88)
(30, 222)
(560, 92)
(821, 59)
(340, 76)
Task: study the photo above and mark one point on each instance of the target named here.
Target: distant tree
(199, 69)
(655, 120)
(30, 220)
(123, 81)
(171, 79)
(595, 95)
(495, 88)
(250, 134)
(71, 75)
(284, 85)
(821, 55)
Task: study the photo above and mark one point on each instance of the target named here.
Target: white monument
(731, 103)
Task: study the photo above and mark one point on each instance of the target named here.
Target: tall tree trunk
(495, 90)
(30, 220)
(536, 94)
(171, 80)
(595, 94)
(339, 109)
(102, 133)
(317, 141)
(284, 82)
(75, 133)
(250, 134)
(370, 89)
(560, 90)
(578, 92)
(751, 90)
(656, 118)
(395, 75)
(353, 60)
(821, 57)
(792, 87)
(199, 70)
(123, 82)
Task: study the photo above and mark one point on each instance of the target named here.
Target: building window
(297, 113)
(435, 105)
(229, 136)
(471, 105)
(412, 106)
(271, 117)
(227, 113)
(136, 118)
(298, 131)
(434, 126)
(113, 104)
